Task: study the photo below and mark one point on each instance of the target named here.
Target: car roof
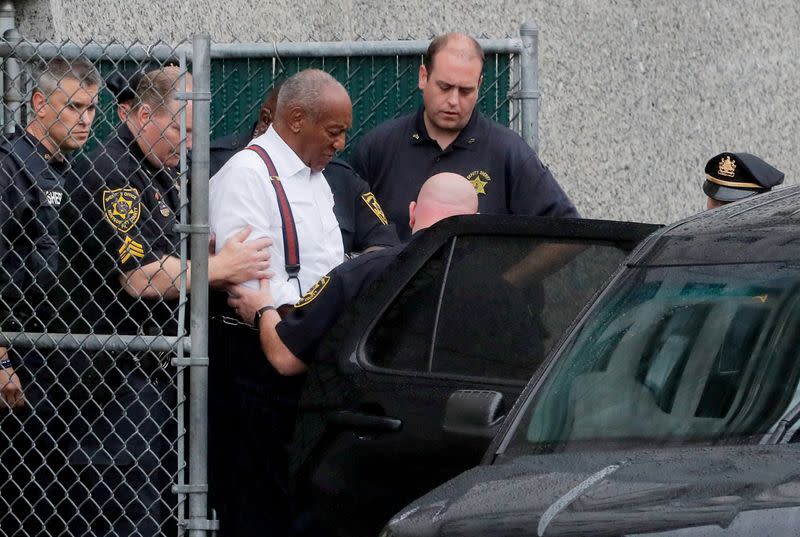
(763, 228)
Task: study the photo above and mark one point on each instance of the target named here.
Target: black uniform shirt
(306, 325)
(398, 156)
(32, 203)
(361, 219)
(132, 209)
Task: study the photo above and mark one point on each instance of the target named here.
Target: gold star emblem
(479, 180)
(478, 184)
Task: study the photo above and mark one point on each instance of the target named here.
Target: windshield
(673, 355)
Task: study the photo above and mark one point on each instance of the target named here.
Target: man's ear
(142, 115)
(39, 102)
(412, 214)
(264, 120)
(423, 77)
(297, 116)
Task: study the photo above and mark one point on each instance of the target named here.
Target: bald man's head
(443, 195)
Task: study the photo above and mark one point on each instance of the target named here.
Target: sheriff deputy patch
(479, 180)
(122, 207)
(313, 293)
(375, 207)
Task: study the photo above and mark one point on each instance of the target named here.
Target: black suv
(671, 408)
(474, 304)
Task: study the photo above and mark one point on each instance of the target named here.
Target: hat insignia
(727, 167)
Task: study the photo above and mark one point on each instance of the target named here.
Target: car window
(490, 306)
(674, 355)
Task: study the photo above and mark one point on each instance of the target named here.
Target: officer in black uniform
(361, 219)
(131, 205)
(34, 294)
(448, 134)
(736, 176)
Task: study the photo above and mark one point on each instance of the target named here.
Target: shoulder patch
(372, 202)
(122, 208)
(314, 292)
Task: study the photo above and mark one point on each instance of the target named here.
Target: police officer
(361, 219)
(133, 272)
(735, 176)
(290, 343)
(34, 203)
(448, 134)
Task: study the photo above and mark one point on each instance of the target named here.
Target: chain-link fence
(103, 418)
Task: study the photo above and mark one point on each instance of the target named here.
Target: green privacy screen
(381, 88)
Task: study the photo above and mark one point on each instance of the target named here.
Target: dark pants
(93, 452)
(252, 412)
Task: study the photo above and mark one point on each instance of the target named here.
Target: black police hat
(122, 84)
(735, 176)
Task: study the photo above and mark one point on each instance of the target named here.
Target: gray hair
(306, 90)
(47, 75)
(157, 88)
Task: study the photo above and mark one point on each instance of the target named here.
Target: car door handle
(364, 422)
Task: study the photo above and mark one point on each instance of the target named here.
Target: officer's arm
(282, 359)
(246, 302)
(237, 262)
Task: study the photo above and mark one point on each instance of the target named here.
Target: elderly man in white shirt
(251, 407)
(312, 117)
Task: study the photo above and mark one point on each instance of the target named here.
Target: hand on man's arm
(11, 394)
(237, 262)
(246, 302)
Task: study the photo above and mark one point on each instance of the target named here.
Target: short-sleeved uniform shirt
(132, 208)
(309, 321)
(361, 219)
(398, 156)
(242, 194)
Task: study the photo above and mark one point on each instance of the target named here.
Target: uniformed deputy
(362, 221)
(290, 343)
(448, 134)
(33, 295)
(311, 120)
(130, 192)
(735, 176)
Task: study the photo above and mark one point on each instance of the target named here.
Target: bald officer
(289, 345)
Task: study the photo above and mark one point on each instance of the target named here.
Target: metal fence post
(529, 81)
(12, 82)
(198, 523)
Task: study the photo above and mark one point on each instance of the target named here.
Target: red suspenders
(291, 250)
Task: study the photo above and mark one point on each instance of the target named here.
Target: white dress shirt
(241, 193)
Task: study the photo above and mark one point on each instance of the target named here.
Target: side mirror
(474, 413)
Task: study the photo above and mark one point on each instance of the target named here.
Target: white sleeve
(237, 198)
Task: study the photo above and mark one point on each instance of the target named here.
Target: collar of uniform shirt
(467, 138)
(285, 159)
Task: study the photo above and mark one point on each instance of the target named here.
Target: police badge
(122, 207)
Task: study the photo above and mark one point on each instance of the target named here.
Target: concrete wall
(636, 95)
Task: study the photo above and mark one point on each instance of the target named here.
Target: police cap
(735, 176)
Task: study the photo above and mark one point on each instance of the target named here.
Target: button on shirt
(241, 194)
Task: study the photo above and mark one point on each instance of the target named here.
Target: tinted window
(491, 306)
(675, 355)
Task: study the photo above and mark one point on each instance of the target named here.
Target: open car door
(411, 384)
